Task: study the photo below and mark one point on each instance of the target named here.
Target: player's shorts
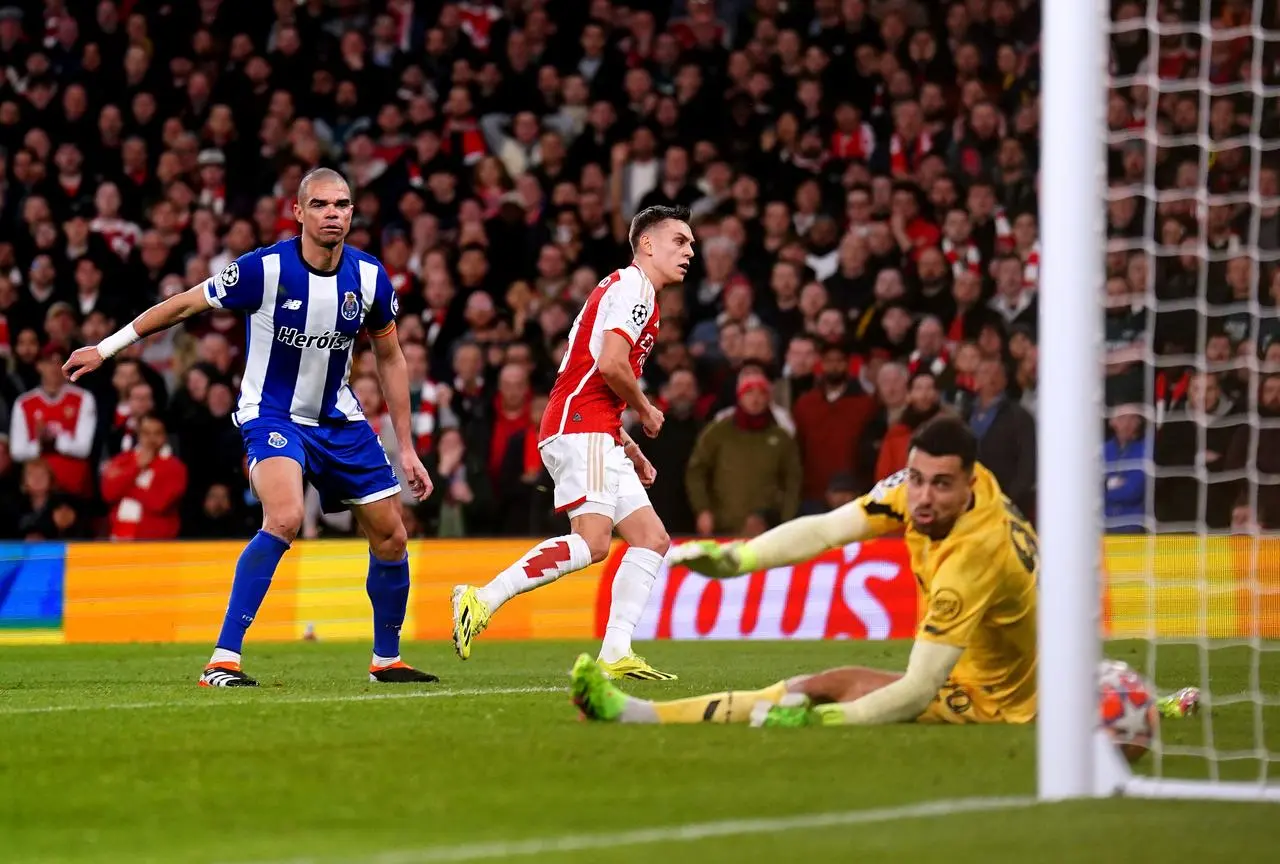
(592, 474)
(961, 704)
(345, 462)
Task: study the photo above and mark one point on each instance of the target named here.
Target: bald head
(320, 175)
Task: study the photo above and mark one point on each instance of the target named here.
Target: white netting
(1193, 375)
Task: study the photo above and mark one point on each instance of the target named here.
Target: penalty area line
(689, 833)
(215, 702)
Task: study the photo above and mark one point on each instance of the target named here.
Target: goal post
(1068, 506)
(1186, 570)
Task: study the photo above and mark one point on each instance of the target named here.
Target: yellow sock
(732, 707)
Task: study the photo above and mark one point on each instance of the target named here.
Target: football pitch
(113, 754)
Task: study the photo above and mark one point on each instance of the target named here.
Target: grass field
(113, 754)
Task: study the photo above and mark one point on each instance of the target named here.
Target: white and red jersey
(120, 235)
(145, 501)
(626, 303)
(71, 415)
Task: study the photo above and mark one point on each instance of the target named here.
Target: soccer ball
(1126, 708)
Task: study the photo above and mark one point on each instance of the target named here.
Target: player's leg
(353, 471)
(382, 524)
(577, 466)
(844, 684)
(599, 699)
(638, 524)
(277, 457)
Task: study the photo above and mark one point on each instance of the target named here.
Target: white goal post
(1074, 758)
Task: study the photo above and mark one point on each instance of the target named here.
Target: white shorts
(593, 475)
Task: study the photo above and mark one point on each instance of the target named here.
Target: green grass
(313, 766)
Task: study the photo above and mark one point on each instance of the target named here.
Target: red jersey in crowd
(145, 501)
(68, 419)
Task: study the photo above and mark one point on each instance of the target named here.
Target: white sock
(638, 711)
(631, 587)
(544, 563)
(383, 662)
(222, 655)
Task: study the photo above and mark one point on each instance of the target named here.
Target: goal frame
(1075, 759)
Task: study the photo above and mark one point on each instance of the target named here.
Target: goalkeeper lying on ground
(975, 558)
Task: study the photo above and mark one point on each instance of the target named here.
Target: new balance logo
(329, 339)
(291, 305)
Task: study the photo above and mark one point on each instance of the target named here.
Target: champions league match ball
(1127, 708)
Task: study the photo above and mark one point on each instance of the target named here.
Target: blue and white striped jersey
(302, 325)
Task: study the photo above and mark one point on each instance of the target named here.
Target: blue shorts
(346, 463)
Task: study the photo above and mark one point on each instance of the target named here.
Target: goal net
(1188, 341)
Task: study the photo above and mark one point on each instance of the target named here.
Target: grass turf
(113, 754)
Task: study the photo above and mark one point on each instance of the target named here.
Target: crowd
(863, 181)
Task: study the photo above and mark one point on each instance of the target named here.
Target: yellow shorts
(959, 705)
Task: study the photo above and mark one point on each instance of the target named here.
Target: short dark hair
(651, 216)
(945, 435)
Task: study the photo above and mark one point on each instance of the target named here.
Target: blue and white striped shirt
(302, 326)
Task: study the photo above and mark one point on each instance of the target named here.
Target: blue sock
(254, 570)
(388, 587)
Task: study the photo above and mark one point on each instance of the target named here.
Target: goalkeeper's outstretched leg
(598, 699)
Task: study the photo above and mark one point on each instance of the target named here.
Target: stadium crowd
(862, 176)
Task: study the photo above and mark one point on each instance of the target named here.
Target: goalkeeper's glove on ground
(717, 560)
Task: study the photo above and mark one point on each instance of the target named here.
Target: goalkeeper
(975, 558)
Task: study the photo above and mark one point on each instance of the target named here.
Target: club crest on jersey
(639, 314)
(350, 306)
(276, 440)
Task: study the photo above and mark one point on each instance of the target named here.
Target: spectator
(1006, 436)
(923, 404)
(671, 451)
(829, 421)
(56, 422)
(891, 382)
(463, 499)
(145, 486)
(1126, 479)
(723, 494)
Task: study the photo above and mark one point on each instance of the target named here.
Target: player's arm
(238, 287)
(960, 594)
(393, 372)
(881, 511)
(159, 317)
(615, 368)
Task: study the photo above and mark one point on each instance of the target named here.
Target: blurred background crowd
(863, 181)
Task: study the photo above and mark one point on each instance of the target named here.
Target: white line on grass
(215, 701)
(677, 833)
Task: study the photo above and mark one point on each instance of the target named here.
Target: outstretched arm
(905, 699)
(798, 540)
(159, 317)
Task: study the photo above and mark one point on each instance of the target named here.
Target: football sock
(254, 570)
(388, 587)
(544, 563)
(222, 655)
(631, 587)
(732, 707)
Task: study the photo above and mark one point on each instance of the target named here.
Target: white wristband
(118, 341)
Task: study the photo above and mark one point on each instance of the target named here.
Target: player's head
(324, 207)
(662, 240)
(940, 474)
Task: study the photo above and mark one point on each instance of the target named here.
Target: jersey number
(1024, 542)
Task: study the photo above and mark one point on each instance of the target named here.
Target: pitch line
(501, 850)
(214, 701)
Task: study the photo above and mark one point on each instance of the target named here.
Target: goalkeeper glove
(716, 560)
